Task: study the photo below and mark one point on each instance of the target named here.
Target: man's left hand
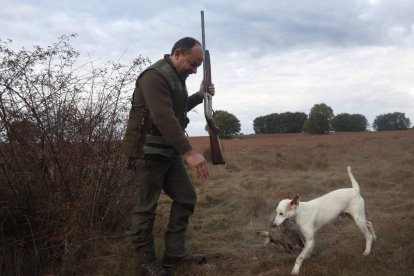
(211, 89)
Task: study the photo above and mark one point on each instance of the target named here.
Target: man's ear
(177, 53)
(295, 201)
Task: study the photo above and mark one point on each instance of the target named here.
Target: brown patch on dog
(295, 201)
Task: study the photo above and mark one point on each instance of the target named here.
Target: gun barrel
(206, 63)
(208, 106)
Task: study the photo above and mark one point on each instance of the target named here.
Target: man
(156, 144)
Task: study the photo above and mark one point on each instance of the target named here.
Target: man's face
(187, 63)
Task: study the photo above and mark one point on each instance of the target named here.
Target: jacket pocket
(134, 138)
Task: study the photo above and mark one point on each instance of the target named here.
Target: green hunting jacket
(161, 102)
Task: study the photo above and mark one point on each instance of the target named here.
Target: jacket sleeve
(194, 100)
(155, 90)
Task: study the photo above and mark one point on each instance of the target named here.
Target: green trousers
(152, 176)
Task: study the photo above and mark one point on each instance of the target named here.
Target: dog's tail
(353, 181)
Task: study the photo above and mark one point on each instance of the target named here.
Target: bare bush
(60, 126)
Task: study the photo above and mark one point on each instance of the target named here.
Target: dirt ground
(240, 197)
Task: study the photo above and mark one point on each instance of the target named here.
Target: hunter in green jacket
(157, 146)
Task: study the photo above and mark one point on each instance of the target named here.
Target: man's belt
(157, 145)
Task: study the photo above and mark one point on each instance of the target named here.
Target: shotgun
(217, 155)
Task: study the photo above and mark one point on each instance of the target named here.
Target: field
(240, 197)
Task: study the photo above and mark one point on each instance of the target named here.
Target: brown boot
(188, 256)
(154, 268)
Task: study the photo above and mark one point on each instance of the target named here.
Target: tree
(228, 124)
(293, 121)
(259, 125)
(319, 120)
(287, 122)
(391, 121)
(61, 120)
(349, 122)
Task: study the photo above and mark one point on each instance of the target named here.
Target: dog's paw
(295, 270)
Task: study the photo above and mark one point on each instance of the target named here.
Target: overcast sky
(268, 56)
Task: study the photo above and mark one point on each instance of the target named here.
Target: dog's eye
(281, 213)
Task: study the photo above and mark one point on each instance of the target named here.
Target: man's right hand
(197, 163)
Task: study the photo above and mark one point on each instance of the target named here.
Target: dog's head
(286, 209)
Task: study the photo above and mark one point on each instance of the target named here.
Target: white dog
(311, 215)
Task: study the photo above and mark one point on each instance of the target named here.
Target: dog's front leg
(309, 244)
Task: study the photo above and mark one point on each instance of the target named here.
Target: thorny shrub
(60, 126)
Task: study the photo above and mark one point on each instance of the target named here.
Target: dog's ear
(295, 201)
(286, 196)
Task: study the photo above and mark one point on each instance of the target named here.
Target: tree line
(321, 119)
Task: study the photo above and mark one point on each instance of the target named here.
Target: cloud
(267, 56)
(362, 80)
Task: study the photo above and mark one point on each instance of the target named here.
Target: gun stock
(217, 156)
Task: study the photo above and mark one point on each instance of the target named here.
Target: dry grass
(240, 198)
